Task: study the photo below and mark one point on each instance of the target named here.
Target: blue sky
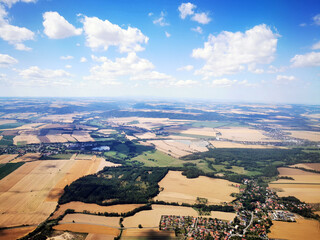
(248, 51)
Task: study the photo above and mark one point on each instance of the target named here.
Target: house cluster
(282, 216)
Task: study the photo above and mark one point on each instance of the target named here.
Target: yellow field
(200, 131)
(13, 234)
(82, 136)
(226, 144)
(308, 135)
(91, 219)
(151, 218)
(95, 208)
(305, 186)
(5, 158)
(146, 135)
(4, 121)
(243, 134)
(74, 170)
(153, 233)
(178, 188)
(26, 138)
(95, 236)
(28, 157)
(310, 166)
(88, 228)
(0, 137)
(30, 126)
(57, 138)
(302, 229)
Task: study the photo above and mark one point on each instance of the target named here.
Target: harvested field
(0, 137)
(4, 121)
(208, 132)
(226, 144)
(91, 219)
(151, 218)
(307, 135)
(178, 188)
(57, 138)
(28, 157)
(68, 137)
(146, 135)
(95, 208)
(75, 170)
(82, 136)
(25, 139)
(310, 166)
(162, 146)
(107, 131)
(13, 234)
(29, 126)
(144, 234)
(95, 236)
(24, 202)
(67, 236)
(243, 134)
(302, 229)
(88, 228)
(305, 186)
(5, 158)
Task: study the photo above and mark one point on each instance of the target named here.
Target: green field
(6, 140)
(59, 156)
(11, 125)
(6, 169)
(156, 158)
(211, 124)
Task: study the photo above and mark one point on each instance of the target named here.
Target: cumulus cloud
(285, 78)
(35, 72)
(311, 59)
(185, 68)
(68, 66)
(167, 34)
(103, 34)
(224, 82)
(131, 67)
(12, 34)
(161, 20)
(66, 57)
(9, 3)
(6, 60)
(202, 18)
(184, 83)
(316, 46)
(57, 27)
(316, 19)
(83, 60)
(198, 29)
(228, 52)
(186, 9)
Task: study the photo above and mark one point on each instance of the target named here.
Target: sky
(231, 50)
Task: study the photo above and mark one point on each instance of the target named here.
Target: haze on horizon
(249, 51)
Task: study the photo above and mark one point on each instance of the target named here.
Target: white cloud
(57, 27)
(168, 34)
(105, 34)
(224, 82)
(253, 68)
(12, 34)
(66, 57)
(185, 68)
(202, 18)
(150, 14)
(161, 20)
(83, 60)
(198, 29)
(311, 59)
(9, 3)
(186, 9)
(228, 52)
(285, 77)
(35, 72)
(316, 46)
(302, 24)
(68, 66)
(184, 83)
(131, 67)
(316, 19)
(6, 60)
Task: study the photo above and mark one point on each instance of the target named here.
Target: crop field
(243, 134)
(88, 228)
(74, 170)
(308, 135)
(178, 188)
(5, 121)
(157, 159)
(227, 144)
(310, 166)
(28, 157)
(25, 139)
(145, 234)
(151, 218)
(5, 158)
(302, 229)
(82, 136)
(91, 219)
(305, 186)
(206, 132)
(15, 233)
(7, 168)
(95, 208)
(96, 236)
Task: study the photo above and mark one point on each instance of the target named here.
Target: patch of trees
(116, 186)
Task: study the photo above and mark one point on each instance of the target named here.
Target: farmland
(177, 188)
